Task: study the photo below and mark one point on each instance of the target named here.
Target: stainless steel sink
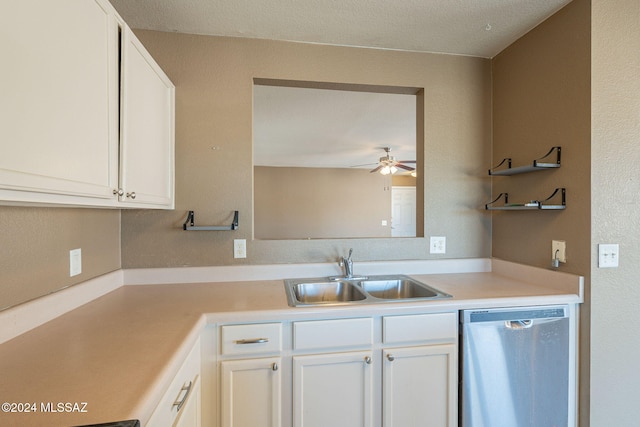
(373, 289)
(326, 292)
(397, 289)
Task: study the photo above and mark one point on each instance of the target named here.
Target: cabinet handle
(187, 389)
(367, 360)
(132, 194)
(118, 192)
(252, 341)
(274, 367)
(390, 357)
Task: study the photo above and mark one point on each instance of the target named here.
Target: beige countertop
(118, 352)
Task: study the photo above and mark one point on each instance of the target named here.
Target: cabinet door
(59, 91)
(251, 393)
(147, 128)
(420, 386)
(180, 404)
(332, 390)
(190, 413)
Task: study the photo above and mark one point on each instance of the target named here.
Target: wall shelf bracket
(545, 204)
(536, 165)
(189, 224)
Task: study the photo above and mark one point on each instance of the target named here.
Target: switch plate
(438, 245)
(608, 255)
(75, 262)
(561, 247)
(239, 248)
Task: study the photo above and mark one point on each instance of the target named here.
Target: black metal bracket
(506, 160)
(189, 224)
(533, 204)
(558, 151)
(536, 165)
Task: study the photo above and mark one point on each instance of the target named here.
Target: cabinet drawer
(333, 333)
(183, 388)
(251, 338)
(439, 327)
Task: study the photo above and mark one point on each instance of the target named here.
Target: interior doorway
(403, 211)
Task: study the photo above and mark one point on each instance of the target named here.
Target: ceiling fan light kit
(389, 165)
(386, 170)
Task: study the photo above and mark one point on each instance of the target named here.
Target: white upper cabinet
(147, 128)
(59, 87)
(60, 108)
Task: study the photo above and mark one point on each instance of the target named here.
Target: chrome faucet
(347, 264)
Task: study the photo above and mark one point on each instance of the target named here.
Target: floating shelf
(536, 165)
(532, 205)
(190, 226)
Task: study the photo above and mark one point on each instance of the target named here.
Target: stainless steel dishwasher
(516, 367)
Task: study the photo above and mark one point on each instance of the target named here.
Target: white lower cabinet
(180, 405)
(190, 413)
(333, 390)
(251, 392)
(420, 375)
(419, 386)
(334, 385)
(250, 375)
(377, 371)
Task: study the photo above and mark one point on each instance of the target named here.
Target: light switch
(608, 255)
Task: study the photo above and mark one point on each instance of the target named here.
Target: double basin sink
(358, 290)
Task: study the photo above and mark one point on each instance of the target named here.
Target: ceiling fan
(389, 165)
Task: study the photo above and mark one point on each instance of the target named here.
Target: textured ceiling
(323, 128)
(331, 128)
(464, 27)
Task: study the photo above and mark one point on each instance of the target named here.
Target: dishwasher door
(515, 367)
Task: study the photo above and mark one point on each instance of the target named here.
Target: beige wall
(312, 203)
(615, 153)
(35, 245)
(213, 78)
(541, 98)
(540, 88)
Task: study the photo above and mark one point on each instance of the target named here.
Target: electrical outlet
(608, 255)
(75, 262)
(559, 250)
(438, 245)
(239, 248)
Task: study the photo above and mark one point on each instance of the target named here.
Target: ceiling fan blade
(406, 161)
(409, 168)
(376, 169)
(366, 164)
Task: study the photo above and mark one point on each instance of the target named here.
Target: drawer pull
(274, 367)
(187, 389)
(391, 358)
(253, 341)
(367, 360)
